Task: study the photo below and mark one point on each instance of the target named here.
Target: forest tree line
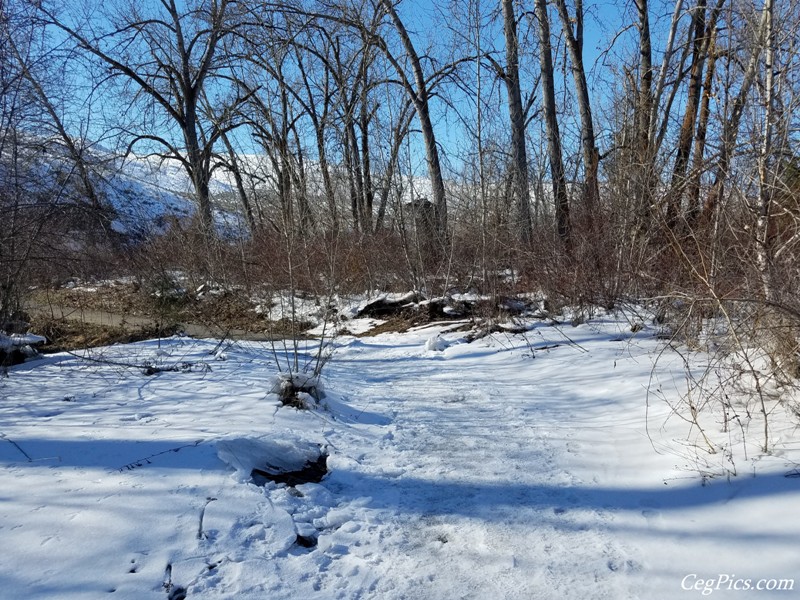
(451, 141)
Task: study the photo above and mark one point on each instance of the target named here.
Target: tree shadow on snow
(115, 455)
(575, 507)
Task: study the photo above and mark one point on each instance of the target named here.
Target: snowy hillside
(515, 466)
(145, 192)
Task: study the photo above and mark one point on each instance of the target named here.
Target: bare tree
(317, 106)
(52, 211)
(644, 150)
(519, 162)
(765, 181)
(77, 153)
(698, 158)
(168, 57)
(420, 94)
(551, 122)
(730, 126)
(591, 155)
(701, 40)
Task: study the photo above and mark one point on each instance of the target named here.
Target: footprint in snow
(573, 447)
(651, 515)
(625, 566)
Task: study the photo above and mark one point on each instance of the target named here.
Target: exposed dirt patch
(124, 312)
(227, 310)
(404, 314)
(393, 325)
(222, 308)
(67, 334)
(122, 298)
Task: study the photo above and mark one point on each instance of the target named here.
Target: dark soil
(305, 541)
(311, 472)
(122, 313)
(127, 312)
(67, 334)
(219, 312)
(401, 316)
(384, 308)
(11, 358)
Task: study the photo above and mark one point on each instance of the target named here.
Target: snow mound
(16, 348)
(287, 454)
(18, 340)
(436, 344)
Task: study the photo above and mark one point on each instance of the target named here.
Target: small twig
(104, 361)
(569, 339)
(147, 368)
(141, 462)
(168, 578)
(17, 446)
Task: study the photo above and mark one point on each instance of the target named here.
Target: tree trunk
(697, 100)
(686, 134)
(426, 126)
(233, 165)
(644, 109)
(551, 123)
(301, 185)
(354, 164)
(522, 201)
(319, 122)
(766, 188)
(368, 194)
(698, 159)
(591, 154)
(400, 132)
(198, 172)
(730, 128)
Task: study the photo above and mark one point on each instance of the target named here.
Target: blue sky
(432, 25)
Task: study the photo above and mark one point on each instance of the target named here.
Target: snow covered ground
(515, 466)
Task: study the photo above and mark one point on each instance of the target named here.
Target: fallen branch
(17, 446)
(146, 460)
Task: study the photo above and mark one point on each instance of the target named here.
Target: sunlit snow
(514, 466)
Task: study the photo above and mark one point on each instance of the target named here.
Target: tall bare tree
(519, 154)
(765, 178)
(644, 150)
(700, 40)
(420, 94)
(573, 35)
(551, 123)
(167, 56)
(730, 125)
